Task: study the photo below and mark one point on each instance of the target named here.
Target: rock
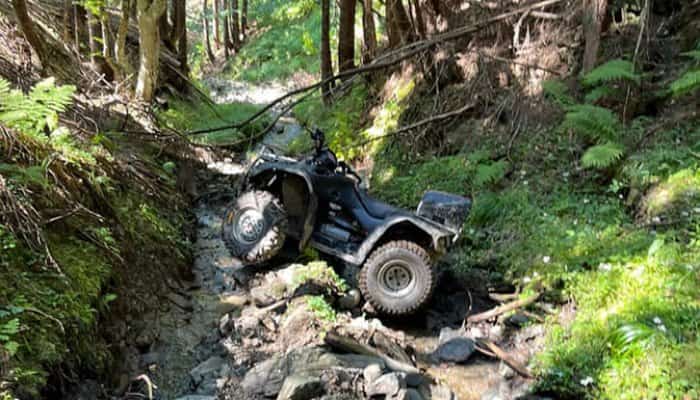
(387, 384)
(268, 293)
(456, 350)
(350, 300)
(407, 394)
(447, 334)
(518, 319)
(414, 379)
(300, 387)
(149, 359)
(212, 368)
(505, 371)
(493, 394)
(248, 324)
(196, 397)
(372, 372)
(231, 302)
(436, 392)
(225, 325)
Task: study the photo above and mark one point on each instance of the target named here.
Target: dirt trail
(221, 339)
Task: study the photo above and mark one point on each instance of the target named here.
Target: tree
(217, 34)
(235, 27)
(180, 33)
(205, 20)
(67, 32)
(149, 12)
(94, 31)
(398, 26)
(326, 62)
(244, 17)
(593, 15)
(124, 67)
(419, 18)
(227, 40)
(346, 36)
(369, 32)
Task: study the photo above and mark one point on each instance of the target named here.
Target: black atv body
(318, 201)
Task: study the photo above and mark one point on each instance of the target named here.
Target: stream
(222, 346)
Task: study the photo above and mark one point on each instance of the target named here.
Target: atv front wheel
(398, 278)
(254, 227)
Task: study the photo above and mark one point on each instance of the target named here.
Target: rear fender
(406, 227)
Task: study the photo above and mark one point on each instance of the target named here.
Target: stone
(456, 350)
(225, 325)
(505, 371)
(196, 397)
(372, 372)
(447, 334)
(407, 394)
(436, 392)
(231, 302)
(300, 387)
(267, 294)
(210, 368)
(350, 300)
(388, 385)
(414, 379)
(149, 359)
(518, 319)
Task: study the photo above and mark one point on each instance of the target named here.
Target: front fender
(263, 174)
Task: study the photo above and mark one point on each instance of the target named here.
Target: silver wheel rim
(396, 278)
(249, 226)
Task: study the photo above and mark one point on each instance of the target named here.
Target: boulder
(388, 385)
(196, 397)
(213, 368)
(300, 387)
(407, 394)
(231, 302)
(456, 350)
(372, 372)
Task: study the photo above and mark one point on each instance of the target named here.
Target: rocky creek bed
(293, 330)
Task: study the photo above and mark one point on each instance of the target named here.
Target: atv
(319, 202)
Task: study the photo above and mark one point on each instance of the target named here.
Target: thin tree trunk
(369, 32)
(180, 33)
(94, 31)
(593, 15)
(217, 34)
(346, 36)
(235, 27)
(398, 25)
(149, 13)
(67, 33)
(205, 20)
(326, 62)
(106, 36)
(244, 18)
(227, 40)
(420, 19)
(120, 43)
(30, 34)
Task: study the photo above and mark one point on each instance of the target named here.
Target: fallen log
(491, 349)
(351, 345)
(494, 312)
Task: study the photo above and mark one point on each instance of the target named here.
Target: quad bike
(319, 202)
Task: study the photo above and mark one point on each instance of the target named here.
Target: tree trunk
(593, 15)
(398, 25)
(326, 62)
(106, 36)
(244, 17)
(30, 34)
(235, 27)
(369, 32)
(94, 31)
(180, 33)
(67, 33)
(78, 25)
(149, 12)
(217, 34)
(120, 43)
(205, 20)
(227, 40)
(346, 36)
(419, 18)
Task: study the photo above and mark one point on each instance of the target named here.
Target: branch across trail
(494, 312)
(387, 60)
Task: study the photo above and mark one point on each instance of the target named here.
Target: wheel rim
(249, 226)
(396, 278)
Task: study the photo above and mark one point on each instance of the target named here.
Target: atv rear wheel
(254, 227)
(398, 278)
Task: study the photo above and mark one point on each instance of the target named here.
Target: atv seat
(376, 208)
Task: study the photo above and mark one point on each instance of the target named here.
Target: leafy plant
(627, 336)
(558, 92)
(322, 309)
(611, 71)
(490, 173)
(690, 80)
(594, 122)
(602, 155)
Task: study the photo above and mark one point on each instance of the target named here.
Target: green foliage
(614, 70)
(322, 309)
(558, 92)
(602, 155)
(489, 173)
(38, 110)
(594, 122)
(627, 336)
(687, 83)
(321, 273)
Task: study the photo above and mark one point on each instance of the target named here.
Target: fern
(689, 82)
(602, 156)
(558, 92)
(490, 173)
(614, 70)
(694, 54)
(626, 337)
(595, 122)
(600, 93)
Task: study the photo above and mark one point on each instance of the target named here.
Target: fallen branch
(503, 297)
(351, 345)
(491, 349)
(494, 312)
